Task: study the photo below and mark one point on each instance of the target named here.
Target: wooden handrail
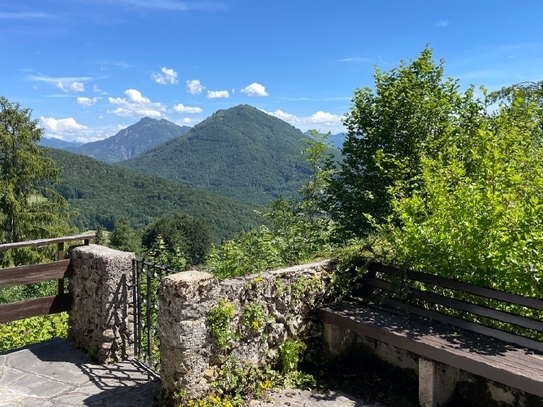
(47, 242)
(22, 275)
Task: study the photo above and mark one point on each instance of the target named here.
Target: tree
(479, 216)
(412, 111)
(123, 237)
(29, 209)
(182, 234)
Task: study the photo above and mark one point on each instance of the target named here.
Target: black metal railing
(146, 277)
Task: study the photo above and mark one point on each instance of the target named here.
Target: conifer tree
(29, 209)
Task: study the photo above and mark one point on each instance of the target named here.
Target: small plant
(220, 324)
(254, 317)
(289, 355)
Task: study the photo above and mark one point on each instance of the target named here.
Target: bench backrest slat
(475, 309)
(498, 314)
(516, 299)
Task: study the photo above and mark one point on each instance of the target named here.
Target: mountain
(241, 152)
(58, 143)
(102, 193)
(337, 139)
(133, 140)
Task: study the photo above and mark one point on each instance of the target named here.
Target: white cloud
(60, 125)
(165, 77)
(66, 84)
(194, 87)
(96, 89)
(23, 15)
(317, 118)
(325, 117)
(71, 87)
(171, 5)
(355, 60)
(255, 90)
(180, 108)
(442, 23)
(187, 120)
(87, 102)
(217, 94)
(64, 129)
(135, 104)
(290, 118)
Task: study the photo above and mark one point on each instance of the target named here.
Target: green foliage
(32, 330)
(479, 216)
(236, 383)
(220, 324)
(241, 152)
(103, 193)
(101, 236)
(300, 230)
(124, 237)
(290, 353)
(182, 235)
(28, 208)
(254, 317)
(160, 254)
(410, 113)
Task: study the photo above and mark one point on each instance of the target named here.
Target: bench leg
(436, 382)
(337, 338)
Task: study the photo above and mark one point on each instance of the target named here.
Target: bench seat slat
(479, 354)
(461, 323)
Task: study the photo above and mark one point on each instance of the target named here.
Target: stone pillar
(101, 319)
(436, 382)
(185, 300)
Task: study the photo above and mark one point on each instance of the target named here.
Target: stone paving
(55, 374)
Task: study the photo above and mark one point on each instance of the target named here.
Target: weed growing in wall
(220, 324)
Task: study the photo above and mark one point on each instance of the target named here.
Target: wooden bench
(450, 325)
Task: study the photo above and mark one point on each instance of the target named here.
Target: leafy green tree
(29, 209)
(412, 111)
(123, 237)
(191, 237)
(161, 255)
(479, 216)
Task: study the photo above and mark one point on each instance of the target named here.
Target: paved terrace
(55, 374)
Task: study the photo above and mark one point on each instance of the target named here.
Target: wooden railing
(23, 275)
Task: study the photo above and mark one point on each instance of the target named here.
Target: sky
(89, 68)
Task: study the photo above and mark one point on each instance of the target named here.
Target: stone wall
(101, 319)
(267, 309)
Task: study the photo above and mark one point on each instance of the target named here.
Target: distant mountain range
(241, 152)
(337, 139)
(131, 141)
(52, 142)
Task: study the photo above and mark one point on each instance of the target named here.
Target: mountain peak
(142, 136)
(241, 152)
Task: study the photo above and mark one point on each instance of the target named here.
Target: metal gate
(146, 277)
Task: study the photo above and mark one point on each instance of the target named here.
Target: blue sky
(89, 68)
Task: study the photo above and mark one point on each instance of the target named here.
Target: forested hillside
(242, 153)
(103, 193)
(133, 140)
